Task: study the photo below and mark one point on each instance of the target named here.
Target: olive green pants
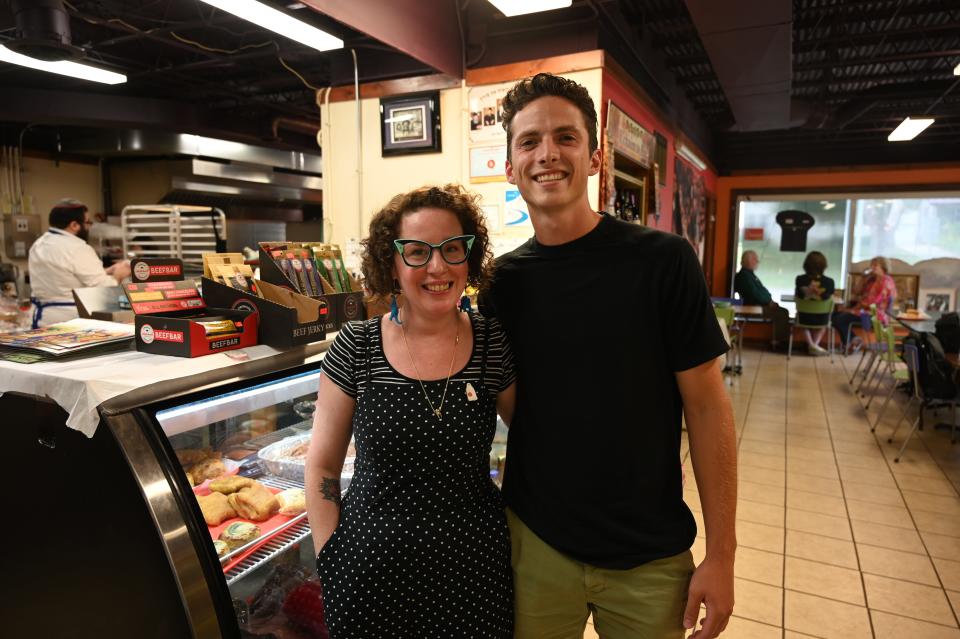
(554, 595)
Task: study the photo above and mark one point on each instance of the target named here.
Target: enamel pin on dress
(471, 394)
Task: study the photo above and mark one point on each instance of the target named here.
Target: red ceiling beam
(426, 31)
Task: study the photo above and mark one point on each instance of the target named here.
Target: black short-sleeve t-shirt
(599, 328)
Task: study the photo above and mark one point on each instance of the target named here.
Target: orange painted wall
(826, 180)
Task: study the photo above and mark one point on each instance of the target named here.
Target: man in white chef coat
(61, 260)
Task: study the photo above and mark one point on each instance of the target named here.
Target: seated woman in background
(814, 285)
(878, 288)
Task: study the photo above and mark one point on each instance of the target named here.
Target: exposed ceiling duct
(42, 30)
(750, 46)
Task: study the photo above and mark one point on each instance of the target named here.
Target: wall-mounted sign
(515, 212)
(753, 235)
(628, 137)
(487, 163)
(486, 112)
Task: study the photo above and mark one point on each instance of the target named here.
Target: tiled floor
(835, 539)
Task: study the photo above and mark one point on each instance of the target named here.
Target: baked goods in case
(239, 533)
(210, 468)
(191, 456)
(293, 501)
(221, 547)
(216, 508)
(227, 485)
(255, 502)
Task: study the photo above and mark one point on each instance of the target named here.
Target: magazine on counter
(66, 338)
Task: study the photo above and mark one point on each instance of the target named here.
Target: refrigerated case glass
(258, 432)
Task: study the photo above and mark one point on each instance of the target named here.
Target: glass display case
(243, 452)
(143, 558)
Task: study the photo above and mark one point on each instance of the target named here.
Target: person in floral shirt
(878, 289)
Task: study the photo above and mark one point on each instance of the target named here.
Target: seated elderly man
(754, 293)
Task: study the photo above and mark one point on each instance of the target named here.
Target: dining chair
(823, 308)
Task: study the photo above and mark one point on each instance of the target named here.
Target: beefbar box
(341, 307)
(171, 318)
(286, 318)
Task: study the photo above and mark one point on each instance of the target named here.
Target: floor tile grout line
(923, 542)
(856, 553)
(786, 446)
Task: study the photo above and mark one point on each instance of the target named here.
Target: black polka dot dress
(422, 548)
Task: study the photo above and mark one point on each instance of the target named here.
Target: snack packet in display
(327, 258)
(217, 327)
(341, 267)
(312, 276)
(235, 276)
(303, 286)
(321, 269)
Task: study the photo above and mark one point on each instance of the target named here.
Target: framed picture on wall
(410, 124)
(940, 300)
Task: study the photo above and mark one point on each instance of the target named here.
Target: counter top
(119, 381)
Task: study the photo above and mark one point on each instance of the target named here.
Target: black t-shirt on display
(599, 327)
(794, 225)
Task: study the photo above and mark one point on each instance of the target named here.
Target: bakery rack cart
(173, 230)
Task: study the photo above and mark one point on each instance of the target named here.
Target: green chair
(727, 313)
(818, 307)
(898, 375)
(868, 356)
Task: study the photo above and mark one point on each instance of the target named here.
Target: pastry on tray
(255, 502)
(216, 508)
(239, 533)
(230, 484)
(293, 501)
(221, 547)
(210, 468)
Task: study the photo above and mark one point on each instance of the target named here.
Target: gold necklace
(438, 411)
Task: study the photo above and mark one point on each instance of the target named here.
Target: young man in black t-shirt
(615, 340)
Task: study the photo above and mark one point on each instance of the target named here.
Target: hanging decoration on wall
(488, 164)
(410, 124)
(794, 225)
(486, 113)
(689, 205)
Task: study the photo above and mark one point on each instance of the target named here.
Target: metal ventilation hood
(246, 181)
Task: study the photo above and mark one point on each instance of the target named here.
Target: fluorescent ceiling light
(691, 157)
(512, 8)
(279, 22)
(827, 205)
(909, 129)
(62, 67)
(956, 70)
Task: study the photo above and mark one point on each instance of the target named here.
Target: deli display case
(112, 540)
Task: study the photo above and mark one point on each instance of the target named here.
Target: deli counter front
(107, 537)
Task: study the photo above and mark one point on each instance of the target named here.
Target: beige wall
(347, 214)
(45, 182)
(138, 183)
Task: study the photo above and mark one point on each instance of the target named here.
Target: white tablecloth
(79, 386)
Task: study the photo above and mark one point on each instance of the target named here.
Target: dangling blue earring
(394, 309)
(465, 306)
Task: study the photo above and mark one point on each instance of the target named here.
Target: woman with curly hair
(419, 545)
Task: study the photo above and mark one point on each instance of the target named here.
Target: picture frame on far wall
(938, 300)
(410, 124)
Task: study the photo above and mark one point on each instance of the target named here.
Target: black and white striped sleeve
(340, 362)
(501, 346)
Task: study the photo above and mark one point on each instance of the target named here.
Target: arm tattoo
(330, 489)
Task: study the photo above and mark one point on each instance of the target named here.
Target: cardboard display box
(170, 319)
(286, 318)
(101, 303)
(342, 307)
